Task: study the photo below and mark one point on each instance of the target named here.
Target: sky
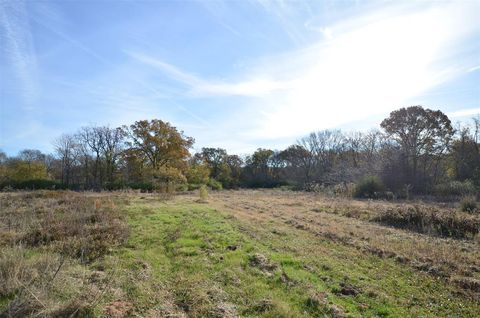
(233, 74)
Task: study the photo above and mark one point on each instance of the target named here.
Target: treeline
(415, 151)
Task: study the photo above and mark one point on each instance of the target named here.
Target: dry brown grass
(45, 237)
(76, 225)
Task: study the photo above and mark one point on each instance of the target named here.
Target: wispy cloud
(373, 64)
(475, 68)
(363, 66)
(286, 13)
(18, 47)
(464, 113)
(200, 87)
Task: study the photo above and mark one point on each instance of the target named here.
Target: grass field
(237, 254)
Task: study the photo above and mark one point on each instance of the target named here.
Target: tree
(90, 142)
(111, 149)
(465, 155)
(215, 158)
(3, 167)
(198, 173)
(422, 134)
(66, 147)
(300, 163)
(258, 170)
(158, 142)
(160, 147)
(31, 155)
(20, 170)
(235, 165)
(325, 146)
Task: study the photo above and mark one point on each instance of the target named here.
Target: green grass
(184, 256)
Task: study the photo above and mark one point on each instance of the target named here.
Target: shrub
(368, 187)
(142, 186)
(455, 188)
(194, 186)
(33, 184)
(468, 204)
(344, 189)
(203, 193)
(183, 187)
(425, 219)
(214, 184)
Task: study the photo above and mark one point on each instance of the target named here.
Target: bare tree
(91, 142)
(111, 148)
(66, 148)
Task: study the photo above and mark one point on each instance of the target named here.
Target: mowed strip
(186, 258)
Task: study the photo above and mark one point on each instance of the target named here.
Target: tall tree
(422, 134)
(159, 144)
(216, 159)
(300, 163)
(66, 147)
(465, 154)
(111, 149)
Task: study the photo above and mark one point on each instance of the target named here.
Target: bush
(468, 204)
(142, 186)
(427, 219)
(182, 187)
(455, 188)
(194, 186)
(214, 184)
(368, 187)
(34, 184)
(203, 193)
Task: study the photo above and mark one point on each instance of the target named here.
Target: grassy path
(190, 259)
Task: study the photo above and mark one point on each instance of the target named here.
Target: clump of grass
(430, 220)
(469, 204)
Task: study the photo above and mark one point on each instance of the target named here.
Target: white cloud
(373, 65)
(199, 87)
(363, 66)
(475, 68)
(17, 44)
(464, 113)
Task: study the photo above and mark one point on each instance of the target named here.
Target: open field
(238, 254)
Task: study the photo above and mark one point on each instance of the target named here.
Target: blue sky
(232, 74)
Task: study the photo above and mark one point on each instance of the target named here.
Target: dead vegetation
(46, 238)
(431, 220)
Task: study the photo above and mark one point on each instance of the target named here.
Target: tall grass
(45, 237)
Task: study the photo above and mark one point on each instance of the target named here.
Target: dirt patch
(349, 290)
(468, 283)
(260, 261)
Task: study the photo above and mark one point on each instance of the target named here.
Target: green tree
(198, 173)
(158, 143)
(20, 170)
(161, 148)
